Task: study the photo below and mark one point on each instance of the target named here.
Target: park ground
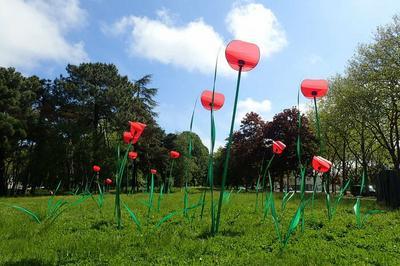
(84, 235)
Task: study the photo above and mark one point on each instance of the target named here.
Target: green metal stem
(228, 151)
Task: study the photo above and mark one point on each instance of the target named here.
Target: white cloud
(255, 23)
(314, 59)
(194, 46)
(248, 105)
(32, 31)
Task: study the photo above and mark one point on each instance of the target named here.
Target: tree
(17, 95)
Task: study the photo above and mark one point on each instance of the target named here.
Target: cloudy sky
(178, 41)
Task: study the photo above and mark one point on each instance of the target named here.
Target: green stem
(228, 151)
(151, 196)
(321, 149)
(170, 176)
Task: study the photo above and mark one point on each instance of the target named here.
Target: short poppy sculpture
(173, 155)
(315, 89)
(277, 149)
(241, 56)
(132, 155)
(151, 195)
(211, 101)
(108, 181)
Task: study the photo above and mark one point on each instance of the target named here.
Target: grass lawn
(83, 235)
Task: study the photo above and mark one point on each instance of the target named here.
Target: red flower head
(314, 88)
(96, 168)
(136, 130)
(206, 100)
(132, 155)
(174, 154)
(242, 54)
(127, 136)
(320, 164)
(108, 181)
(153, 171)
(278, 147)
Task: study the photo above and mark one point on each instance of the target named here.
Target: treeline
(252, 149)
(361, 115)
(55, 130)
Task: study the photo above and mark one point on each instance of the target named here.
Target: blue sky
(177, 42)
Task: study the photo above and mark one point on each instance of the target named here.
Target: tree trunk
(281, 184)
(3, 183)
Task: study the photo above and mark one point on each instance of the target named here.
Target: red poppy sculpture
(314, 88)
(153, 171)
(241, 56)
(132, 155)
(321, 164)
(212, 102)
(96, 168)
(108, 181)
(278, 147)
(127, 137)
(174, 154)
(136, 129)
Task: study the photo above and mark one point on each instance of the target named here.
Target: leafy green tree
(17, 97)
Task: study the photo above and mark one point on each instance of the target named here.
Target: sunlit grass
(88, 236)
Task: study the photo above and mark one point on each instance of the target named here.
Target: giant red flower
(153, 171)
(278, 147)
(244, 55)
(206, 100)
(127, 137)
(108, 181)
(174, 154)
(136, 130)
(321, 164)
(96, 168)
(132, 155)
(314, 88)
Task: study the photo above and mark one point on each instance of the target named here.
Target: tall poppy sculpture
(242, 57)
(211, 101)
(173, 155)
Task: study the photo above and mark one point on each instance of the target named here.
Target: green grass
(83, 235)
